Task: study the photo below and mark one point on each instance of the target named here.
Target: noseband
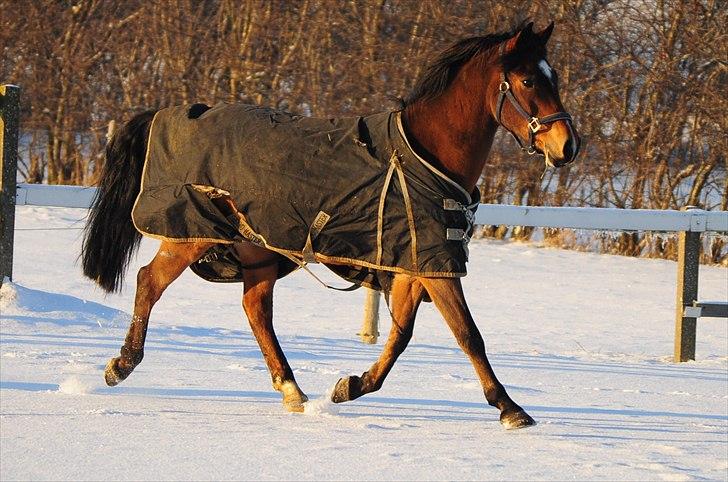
(534, 123)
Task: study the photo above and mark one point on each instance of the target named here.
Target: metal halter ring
(504, 86)
(534, 124)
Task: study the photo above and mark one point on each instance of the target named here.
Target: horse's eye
(528, 83)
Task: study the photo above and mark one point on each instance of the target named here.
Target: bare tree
(644, 80)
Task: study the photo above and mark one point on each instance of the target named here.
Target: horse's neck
(455, 130)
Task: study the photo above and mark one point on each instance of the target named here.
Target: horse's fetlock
(282, 384)
(367, 385)
(498, 398)
(131, 357)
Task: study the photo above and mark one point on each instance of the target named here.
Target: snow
(582, 341)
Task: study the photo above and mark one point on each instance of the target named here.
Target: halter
(534, 123)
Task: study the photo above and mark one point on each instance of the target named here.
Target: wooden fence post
(9, 125)
(370, 328)
(688, 259)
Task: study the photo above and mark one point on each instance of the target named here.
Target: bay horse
(450, 120)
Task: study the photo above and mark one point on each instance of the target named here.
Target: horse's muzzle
(569, 152)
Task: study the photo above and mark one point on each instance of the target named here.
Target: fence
(689, 223)
(9, 113)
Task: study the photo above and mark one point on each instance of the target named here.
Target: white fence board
(55, 196)
(695, 220)
(602, 218)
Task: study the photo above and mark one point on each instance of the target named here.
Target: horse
(449, 121)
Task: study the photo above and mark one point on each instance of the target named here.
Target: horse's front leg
(405, 298)
(169, 262)
(448, 296)
(258, 306)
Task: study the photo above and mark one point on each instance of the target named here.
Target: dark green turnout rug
(346, 192)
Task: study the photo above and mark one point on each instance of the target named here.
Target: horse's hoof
(112, 375)
(295, 403)
(516, 418)
(347, 389)
(341, 391)
(296, 406)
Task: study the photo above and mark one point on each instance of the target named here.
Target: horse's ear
(545, 34)
(523, 37)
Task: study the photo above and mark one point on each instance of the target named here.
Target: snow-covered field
(582, 341)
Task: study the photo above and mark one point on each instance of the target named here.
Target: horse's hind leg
(258, 306)
(447, 294)
(405, 298)
(169, 262)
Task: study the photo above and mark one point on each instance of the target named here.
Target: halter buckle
(504, 86)
(534, 124)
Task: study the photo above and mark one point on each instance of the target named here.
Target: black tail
(110, 238)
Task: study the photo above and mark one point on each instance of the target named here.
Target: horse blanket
(346, 192)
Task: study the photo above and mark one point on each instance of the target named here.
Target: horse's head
(525, 98)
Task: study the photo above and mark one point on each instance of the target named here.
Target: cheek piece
(534, 123)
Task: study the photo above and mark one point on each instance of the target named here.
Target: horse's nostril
(568, 150)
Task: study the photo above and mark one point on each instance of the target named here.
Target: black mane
(441, 72)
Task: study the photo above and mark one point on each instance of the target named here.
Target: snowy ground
(582, 341)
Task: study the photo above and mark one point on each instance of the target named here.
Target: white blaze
(547, 70)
